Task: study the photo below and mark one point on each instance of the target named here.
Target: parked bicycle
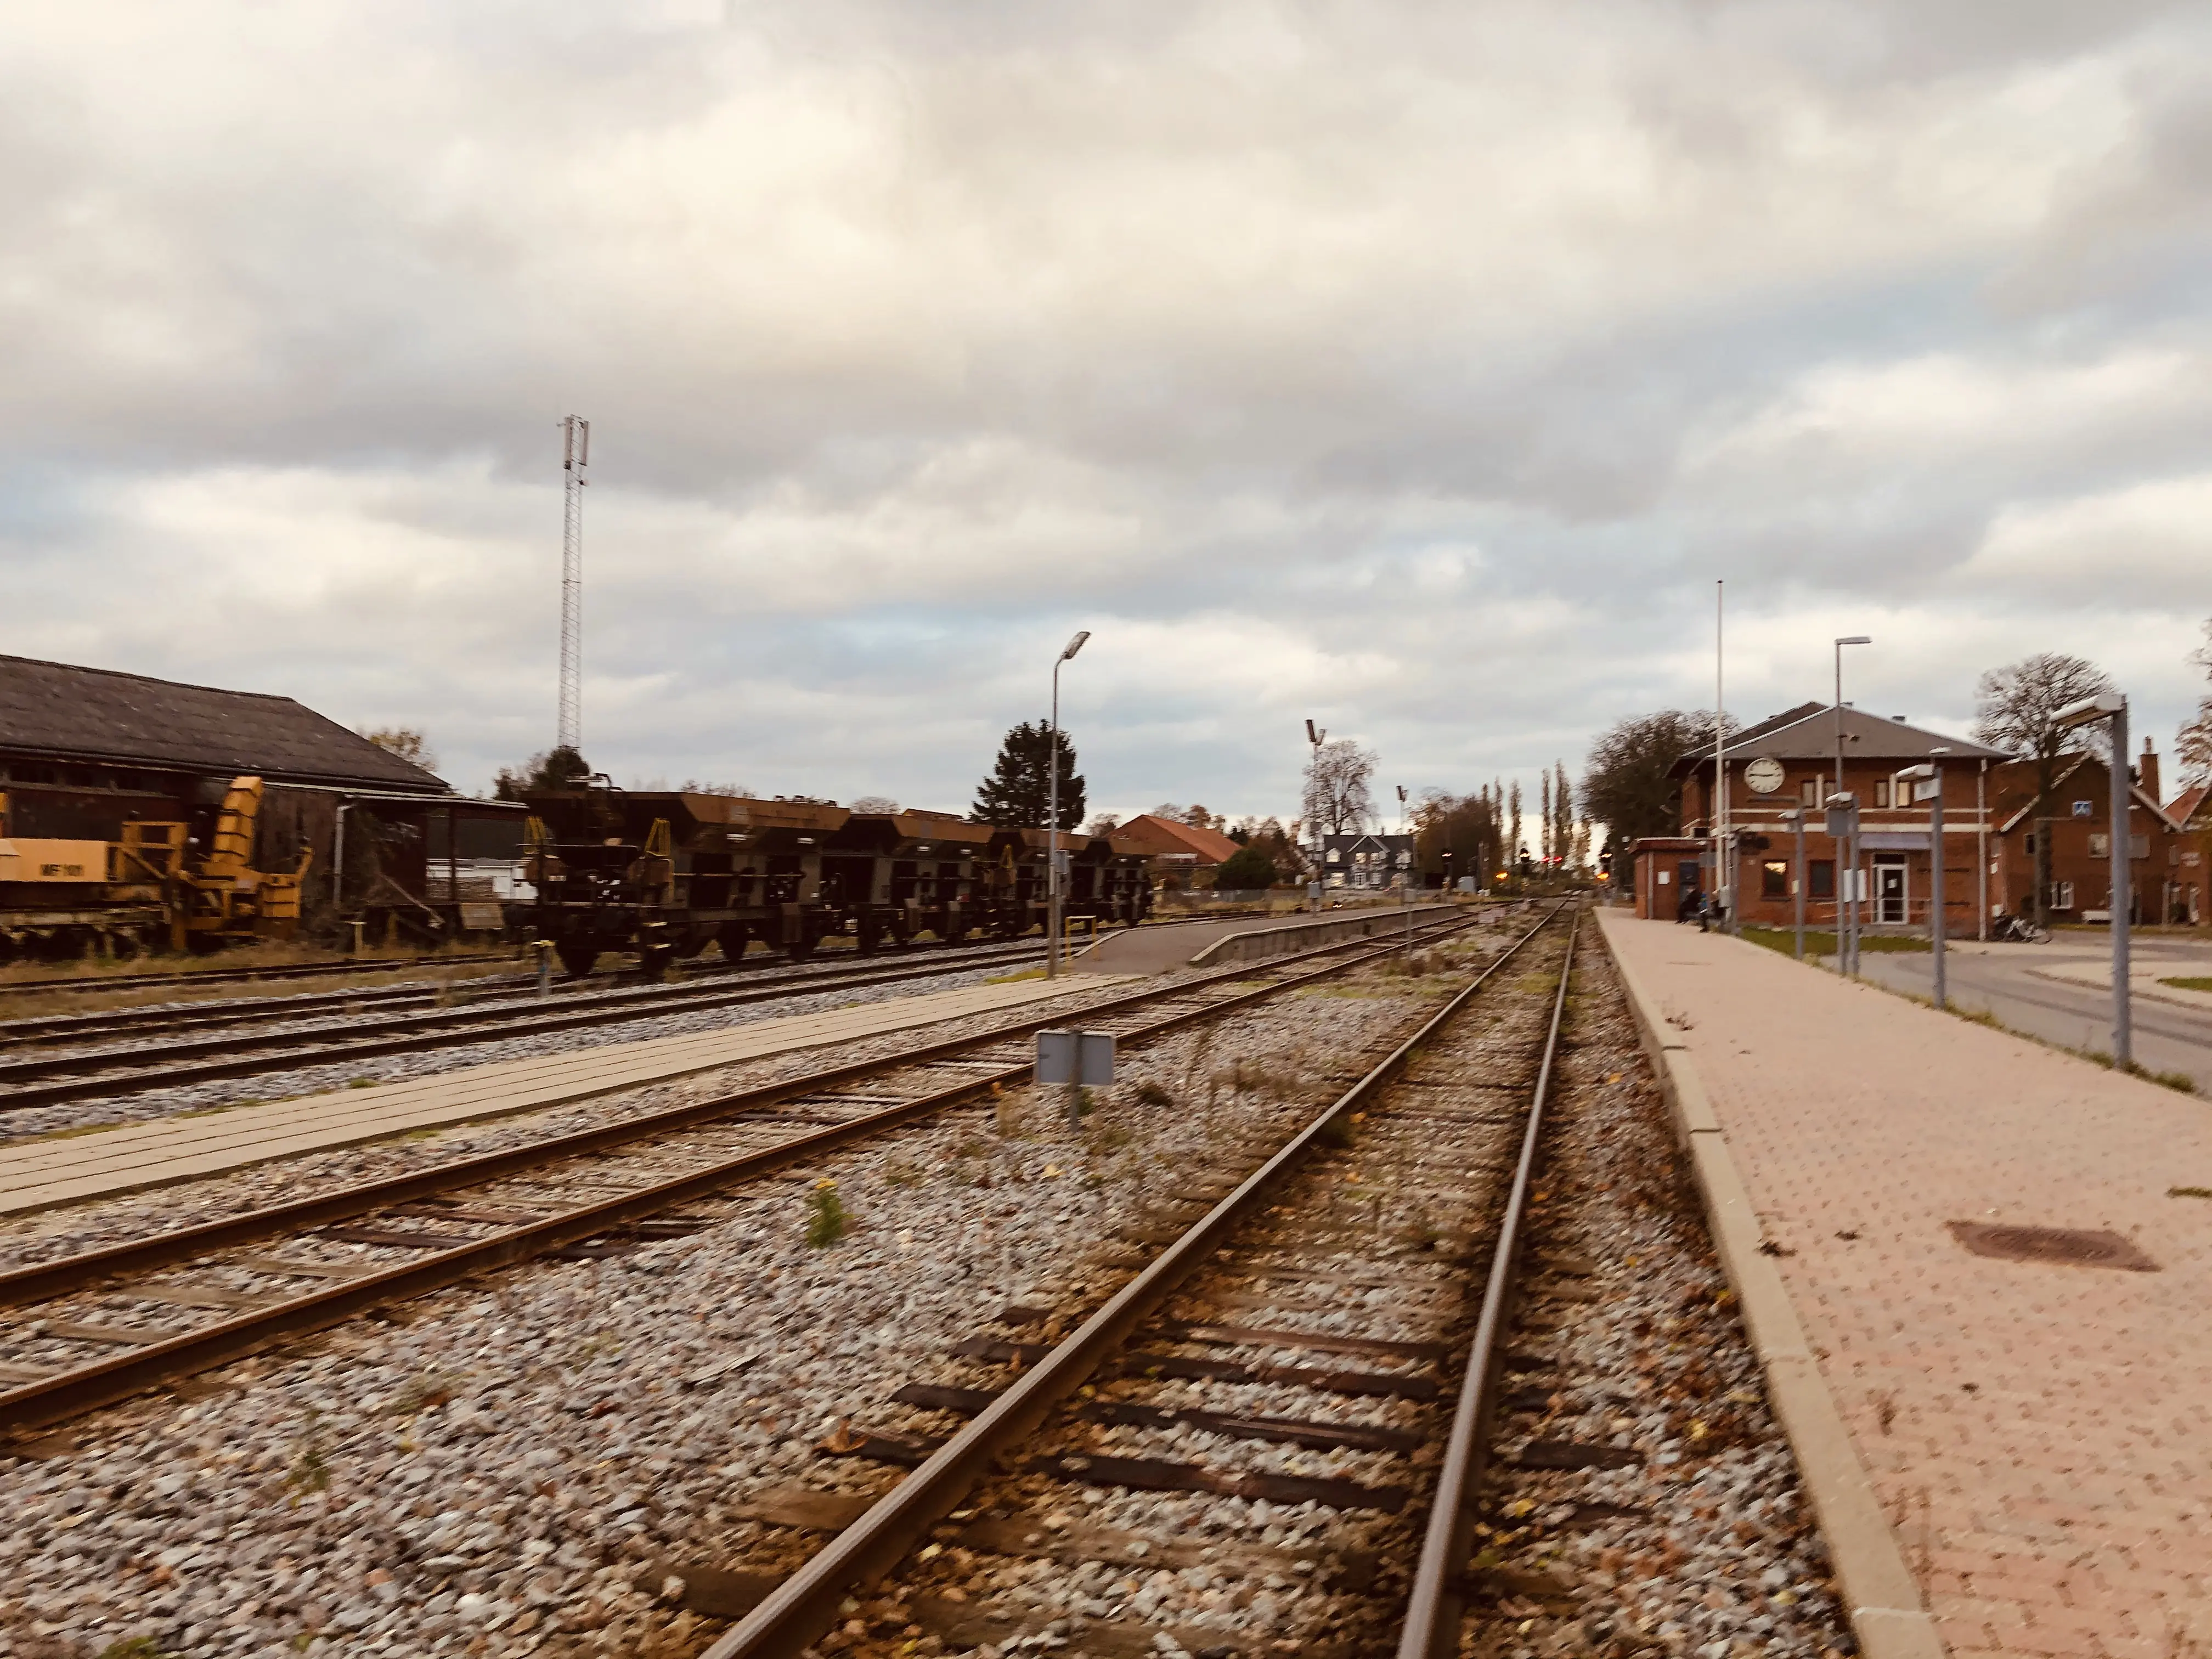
(2019, 930)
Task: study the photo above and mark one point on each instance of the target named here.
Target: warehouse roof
(52, 708)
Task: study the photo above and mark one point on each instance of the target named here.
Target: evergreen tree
(560, 767)
(1014, 796)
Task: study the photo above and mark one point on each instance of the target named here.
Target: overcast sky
(1416, 367)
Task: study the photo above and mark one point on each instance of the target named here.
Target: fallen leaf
(842, 1438)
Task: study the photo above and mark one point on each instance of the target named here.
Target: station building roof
(1809, 733)
(60, 711)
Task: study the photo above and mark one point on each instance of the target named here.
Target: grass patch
(1011, 979)
(1785, 940)
(135, 1647)
(2188, 1192)
(826, 1219)
(1149, 1093)
(2180, 1082)
(2195, 984)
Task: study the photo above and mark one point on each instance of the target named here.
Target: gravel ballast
(532, 1465)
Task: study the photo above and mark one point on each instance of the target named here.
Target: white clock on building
(1764, 775)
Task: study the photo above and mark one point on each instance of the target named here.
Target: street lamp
(1317, 735)
(1052, 814)
(1847, 864)
(1929, 774)
(2111, 706)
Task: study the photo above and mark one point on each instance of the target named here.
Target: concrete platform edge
(1887, 1614)
(1256, 943)
(153, 1177)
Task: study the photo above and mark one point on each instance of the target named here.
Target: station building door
(1889, 898)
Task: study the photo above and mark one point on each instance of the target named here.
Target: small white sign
(1082, 1057)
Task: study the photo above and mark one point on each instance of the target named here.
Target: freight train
(666, 873)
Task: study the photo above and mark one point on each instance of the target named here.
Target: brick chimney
(2147, 773)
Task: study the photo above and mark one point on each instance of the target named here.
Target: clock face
(1764, 774)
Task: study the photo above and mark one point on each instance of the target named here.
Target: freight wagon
(666, 873)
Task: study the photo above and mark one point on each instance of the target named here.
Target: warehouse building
(85, 750)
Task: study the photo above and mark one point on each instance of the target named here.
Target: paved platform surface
(41, 1174)
(1157, 948)
(2040, 1435)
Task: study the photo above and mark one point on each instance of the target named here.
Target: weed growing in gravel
(2188, 1192)
(897, 1172)
(1419, 1232)
(1149, 1093)
(825, 1215)
(420, 1394)
(1338, 1131)
(360, 1083)
(135, 1647)
(309, 1471)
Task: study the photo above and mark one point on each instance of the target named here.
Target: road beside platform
(2038, 1436)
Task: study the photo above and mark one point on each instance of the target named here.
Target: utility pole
(576, 456)
(1316, 736)
(1723, 854)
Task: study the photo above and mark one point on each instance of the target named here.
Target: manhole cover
(2068, 1245)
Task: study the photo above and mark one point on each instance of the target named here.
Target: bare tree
(1104, 823)
(2192, 746)
(2016, 707)
(1513, 818)
(406, 743)
(1628, 781)
(1338, 799)
(1547, 820)
(875, 806)
(1563, 816)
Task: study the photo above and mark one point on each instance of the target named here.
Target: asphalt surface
(2000, 979)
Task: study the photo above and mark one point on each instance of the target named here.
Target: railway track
(507, 987)
(1306, 1350)
(186, 979)
(102, 1325)
(180, 1058)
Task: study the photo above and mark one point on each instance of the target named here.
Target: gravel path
(529, 1465)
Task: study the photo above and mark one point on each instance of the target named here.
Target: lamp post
(1798, 883)
(1052, 814)
(1930, 773)
(2112, 707)
(1847, 862)
(1316, 735)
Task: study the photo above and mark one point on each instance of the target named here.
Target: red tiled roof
(1155, 836)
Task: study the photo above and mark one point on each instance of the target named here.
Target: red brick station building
(1788, 764)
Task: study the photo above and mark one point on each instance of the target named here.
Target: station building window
(1774, 880)
(1820, 881)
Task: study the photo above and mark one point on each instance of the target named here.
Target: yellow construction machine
(120, 894)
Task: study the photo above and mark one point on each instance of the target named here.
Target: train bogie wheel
(577, 959)
(734, 937)
(653, 960)
(870, 935)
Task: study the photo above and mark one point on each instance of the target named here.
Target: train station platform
(77, 1166)
(1162, 947)
(1978, 1272)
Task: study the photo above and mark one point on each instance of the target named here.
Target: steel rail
(796, 1613)
(285, 1051)
(255, 1009)
(1436, 1603)
(233, 976)
(71, 1393)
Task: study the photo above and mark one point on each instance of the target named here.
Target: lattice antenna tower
(576, 456)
